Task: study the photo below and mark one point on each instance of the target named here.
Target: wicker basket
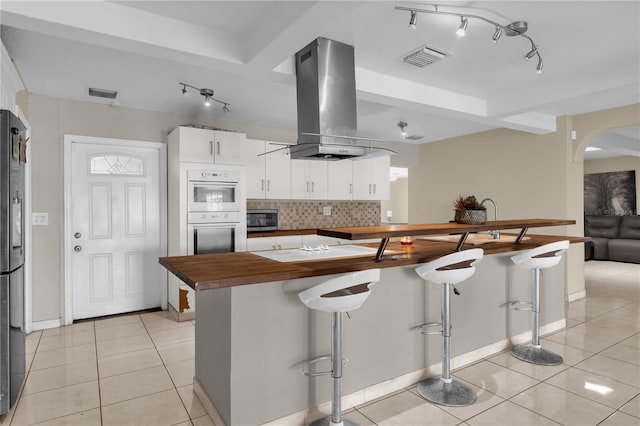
(471, 217)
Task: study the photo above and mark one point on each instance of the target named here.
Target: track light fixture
(413, 19)
(462, 30)
(207, 93)
(402, 125)
(517, 28)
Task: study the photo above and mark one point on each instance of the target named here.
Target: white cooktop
(301, 255)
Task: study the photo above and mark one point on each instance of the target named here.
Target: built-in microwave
(260, 220)
(213, 190)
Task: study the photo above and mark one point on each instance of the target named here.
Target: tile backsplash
(309, 214)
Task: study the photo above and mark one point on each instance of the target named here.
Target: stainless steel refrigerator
(12, 336)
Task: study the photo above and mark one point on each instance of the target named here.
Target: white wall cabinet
(371, 179)
(308, 180)
(269, 175)
(210, 146)
(340, 180)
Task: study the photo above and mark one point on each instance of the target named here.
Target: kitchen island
(253, 333)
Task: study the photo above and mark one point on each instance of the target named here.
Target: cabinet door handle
(307, 186)
(262, 184)
(211, 148)
(268, 185)
(313, 187)
(350, 188)
(369, 189)
(374, 188)
(217, 147)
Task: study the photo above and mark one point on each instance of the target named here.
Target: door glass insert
(116, 164)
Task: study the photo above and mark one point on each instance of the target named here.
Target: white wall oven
(213, 232)
(213, 191)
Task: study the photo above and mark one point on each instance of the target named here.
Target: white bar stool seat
(447, 270)
(542, 257)
(340, 294)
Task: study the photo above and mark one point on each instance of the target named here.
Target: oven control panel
(213, 217)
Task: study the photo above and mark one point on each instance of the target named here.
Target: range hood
(326, 93)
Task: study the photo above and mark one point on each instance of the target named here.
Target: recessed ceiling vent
(424, 56)
(101, 93)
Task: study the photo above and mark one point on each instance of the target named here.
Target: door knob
(77, 248)
(77, 235)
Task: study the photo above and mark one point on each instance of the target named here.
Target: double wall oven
(213, 211)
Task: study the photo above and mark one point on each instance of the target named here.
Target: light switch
(326, 211)
(40, 219)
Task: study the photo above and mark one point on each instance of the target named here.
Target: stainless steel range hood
(326, 93)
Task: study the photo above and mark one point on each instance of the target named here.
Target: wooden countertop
(212, 271)
(386, 231)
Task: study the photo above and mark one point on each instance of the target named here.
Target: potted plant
(469, 210)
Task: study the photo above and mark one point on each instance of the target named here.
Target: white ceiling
(243, 50)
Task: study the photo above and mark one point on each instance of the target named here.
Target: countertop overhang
(212, 271)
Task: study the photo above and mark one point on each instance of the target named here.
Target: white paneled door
(115, 228)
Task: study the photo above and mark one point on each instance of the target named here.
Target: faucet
(494, 234)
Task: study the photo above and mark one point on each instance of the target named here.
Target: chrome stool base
(536, 355)
(327, 422)
(454, 394)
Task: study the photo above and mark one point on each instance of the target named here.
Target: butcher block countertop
(212, 271)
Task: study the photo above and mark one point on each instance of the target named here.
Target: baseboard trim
(46, 324)
(378, 390)
(577, 296)
(184, 316)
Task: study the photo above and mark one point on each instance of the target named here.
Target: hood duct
(326, 95)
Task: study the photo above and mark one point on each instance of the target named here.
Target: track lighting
(462, 30)
(497, 34)
(514, 29)
(402, 125)
(412, 21)
(208, 96)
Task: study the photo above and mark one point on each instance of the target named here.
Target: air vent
(101, 93)
(414, 137)
(424, 56)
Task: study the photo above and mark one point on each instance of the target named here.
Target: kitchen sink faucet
(494, 234)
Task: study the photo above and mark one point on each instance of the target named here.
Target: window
(116, 164)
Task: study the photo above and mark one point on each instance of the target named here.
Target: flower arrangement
(469, 210)
(468, 203)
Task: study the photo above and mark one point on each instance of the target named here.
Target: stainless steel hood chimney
(326, 93)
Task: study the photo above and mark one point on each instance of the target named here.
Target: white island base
(251, 340)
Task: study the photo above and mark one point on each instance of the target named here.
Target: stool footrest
(304, 370)
(521, 306)
(425, 328)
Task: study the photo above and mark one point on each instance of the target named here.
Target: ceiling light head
(184, 91)
(413, 20)
(462, 30)
(531, 53)
(402, 125)
(497, 34)
(225, 107)
(207, 101)
(540, 64)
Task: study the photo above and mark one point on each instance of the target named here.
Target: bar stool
(340, 294)
(538, 258)
(447, 270)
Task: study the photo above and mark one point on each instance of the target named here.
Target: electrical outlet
(326, 211)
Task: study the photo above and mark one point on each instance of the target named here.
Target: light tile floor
(138, 369)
